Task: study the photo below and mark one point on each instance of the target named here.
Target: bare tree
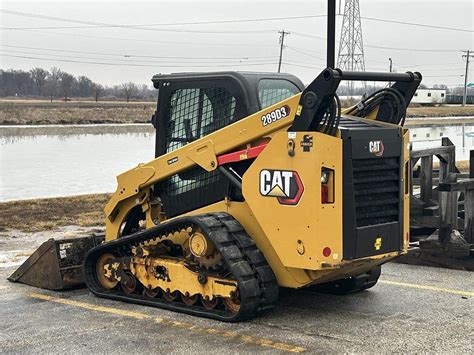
(67, 82)
(97, 90)
(129, 89)
(84, 86)
(441, 86)
(52, 81)
(39, 76)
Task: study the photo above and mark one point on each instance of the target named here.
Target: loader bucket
(56, 264)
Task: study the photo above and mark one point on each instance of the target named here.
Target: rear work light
(327, 186)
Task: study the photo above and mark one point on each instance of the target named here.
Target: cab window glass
(271, 91)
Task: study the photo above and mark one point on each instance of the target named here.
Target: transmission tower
(351, 46)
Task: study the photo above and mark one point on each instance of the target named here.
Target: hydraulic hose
(330, 121)
(389, 96)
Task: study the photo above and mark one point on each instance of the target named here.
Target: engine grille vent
(377, 190)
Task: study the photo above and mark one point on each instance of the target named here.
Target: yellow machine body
(291, 237)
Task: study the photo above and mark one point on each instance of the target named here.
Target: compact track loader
(258, 183)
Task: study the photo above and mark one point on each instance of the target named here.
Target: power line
(135, 61)
(443, 76)
(291, 61)
(299, 65)
(133, 28)
(412, 49)
(92, 24)
(97, 24)
(308, 52)
(381, 47)
(244, 45)
(308, 35)
(301, 51)
(200, 44)
(138, 65)
(401, 67)
(141, 28)
(417, 24)
(134, 55)
(424, 65)
(303, 62)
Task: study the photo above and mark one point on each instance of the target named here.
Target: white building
(429, 96)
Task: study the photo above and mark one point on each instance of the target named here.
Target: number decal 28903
(275, 115)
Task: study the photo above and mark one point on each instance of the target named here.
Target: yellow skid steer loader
(258, 182)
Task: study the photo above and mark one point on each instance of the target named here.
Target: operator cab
(193, 105)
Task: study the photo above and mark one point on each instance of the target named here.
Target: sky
(150, 42)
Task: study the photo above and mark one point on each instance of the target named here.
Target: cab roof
(245, 78)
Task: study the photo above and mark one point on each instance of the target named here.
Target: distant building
(429, 96)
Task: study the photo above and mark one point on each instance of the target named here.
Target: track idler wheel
(103, 273)
(129, 283)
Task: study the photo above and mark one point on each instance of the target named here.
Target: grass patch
(50, 213)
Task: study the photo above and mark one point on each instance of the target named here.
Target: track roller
(205, 265)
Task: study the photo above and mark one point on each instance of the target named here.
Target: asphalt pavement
(411, 309)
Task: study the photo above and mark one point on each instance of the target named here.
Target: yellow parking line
(427, 287)
(175, 324)
(91, 307)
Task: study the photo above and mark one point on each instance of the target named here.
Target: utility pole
(282, 41)
(468, 55)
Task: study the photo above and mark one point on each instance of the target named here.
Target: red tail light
(327, 185)
(324, 193)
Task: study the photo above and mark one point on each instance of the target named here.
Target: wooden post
(448, 210)
(471, 163)
(426, 179)
(413, 162)
(469, 205)
(446, 142)
(469, 215)
(443, 167)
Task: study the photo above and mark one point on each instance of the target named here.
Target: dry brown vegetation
(441, 111)
(24, 112)
(49, 213)
(28, 112)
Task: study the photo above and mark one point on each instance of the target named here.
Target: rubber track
(257, 284)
